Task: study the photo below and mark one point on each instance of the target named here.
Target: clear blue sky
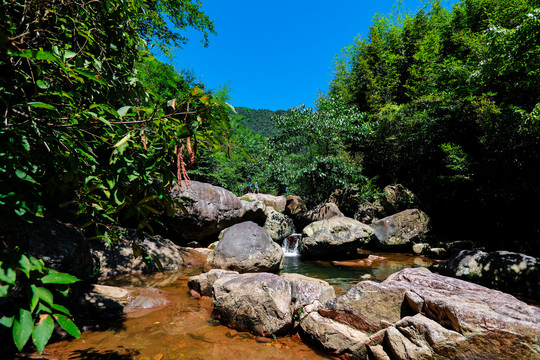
(278, 54)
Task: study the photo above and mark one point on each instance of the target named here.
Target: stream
(186, 329)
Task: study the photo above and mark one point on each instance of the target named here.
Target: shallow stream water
(186, 329)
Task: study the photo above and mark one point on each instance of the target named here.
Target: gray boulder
(318, 213)
(246, 247)
(258, 303)
(278, 225)
(121, 258)
(202, 285)
(401, 230)
(503, 270)
(294, 206)
(277, 202)
(307, 290)
(334, 238)
(205, 211)
(398, 198)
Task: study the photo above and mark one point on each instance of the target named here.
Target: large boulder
(255, 211)
(125, 255)
(334, 238)
(398, 198)
(278, 225)
(203, 284)
(205, 211)
(258, 303)
(430, 316)
(294, 205)
(346, 199)
(62, 246)
(307, 290)
(277, 202)
(368, 212)
(247, 247)
(318, 213)
(401, 230)
(503, 270)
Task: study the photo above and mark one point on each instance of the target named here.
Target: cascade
(290, 245)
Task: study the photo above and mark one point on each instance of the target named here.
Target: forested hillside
(259, 121)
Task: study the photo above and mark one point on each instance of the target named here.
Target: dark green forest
(94, 128)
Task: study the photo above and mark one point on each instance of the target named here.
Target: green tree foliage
(452, 99)
(79, 129)
(259, 121)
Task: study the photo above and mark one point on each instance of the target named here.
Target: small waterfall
(290, 245)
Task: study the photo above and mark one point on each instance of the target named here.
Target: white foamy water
(290, 245)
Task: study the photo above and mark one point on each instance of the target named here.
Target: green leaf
(42, 84)
(55, 277)
(24, 176)
(61, 309)
(7, 275)
(68, 325)
(124, 140)
(123, 110)
(40, 104)
(22, 328)
(45, 295)
(4, 289)
(42, 332)
(25, 265)
(89, 75)
(35, 297)
(7, 321)
(157, 262)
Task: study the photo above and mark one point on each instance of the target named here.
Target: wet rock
(246, 247)
(334, 238)
(294, 206)
(208, 210)
(398, 198)
(258, 303)
(306, 290)
(277, 202)
(318, 213)
(402, 230)
(203, 284)
(503, 270)
(278, 225)
(334, 337)
(120, 259)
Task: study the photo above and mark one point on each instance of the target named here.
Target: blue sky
(278, 54)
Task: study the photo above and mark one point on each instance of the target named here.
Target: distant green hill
(259, 121)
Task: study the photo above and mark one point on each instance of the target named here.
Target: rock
(366, 262)
(334, 337)
(203, 284)
(398, 198)
(120, 259)
(318, 213)
(246, 247)
(417, 337)
(294, 205)
(277, 202)
(402, 230)
(306, 290)
(209, 209)
(196, 257)
(507, 271)
(346, 199)
(255, 211)
(279, 226)
(368, 306)
(334, 238)
(368, 212)
(258, 303)
(483, 317)
(61, 246)
(102, 302)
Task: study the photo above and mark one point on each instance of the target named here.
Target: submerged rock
(246, 247)
(335, 238)
(258, 303)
